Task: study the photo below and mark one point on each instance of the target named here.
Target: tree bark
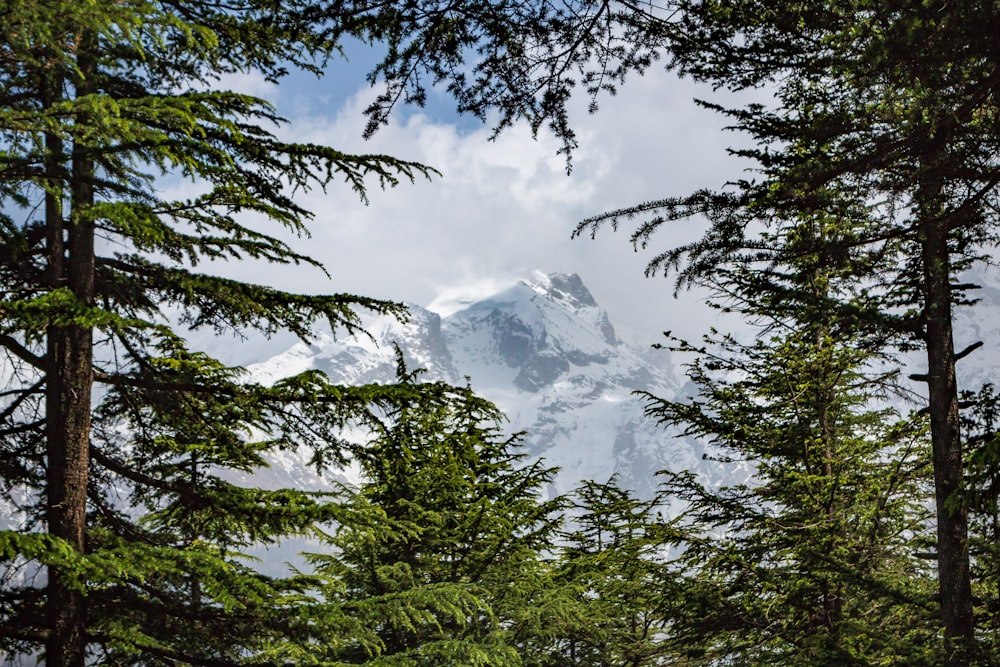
(952, 514)
(68, 389)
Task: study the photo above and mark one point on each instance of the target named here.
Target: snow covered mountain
(545, 352)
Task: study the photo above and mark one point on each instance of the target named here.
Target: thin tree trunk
(68, 393)
(67, 433)
(952, 515)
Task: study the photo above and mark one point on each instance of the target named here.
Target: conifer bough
(98, 101)
(885, 121)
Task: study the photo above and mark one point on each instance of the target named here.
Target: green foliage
(443, 527)
(982, 493)
(98, 102)
(127, 546)
(881, 118)
(813, 561)
(507, 60)
(613, 560)
(129, 535)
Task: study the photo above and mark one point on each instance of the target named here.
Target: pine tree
(613, 558)
(982, 490)
(813, 561)
(97, 101)
(884, 114)
(442, 533)
(170, 527)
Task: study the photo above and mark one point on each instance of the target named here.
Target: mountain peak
(542, 349)
(566, 287)
(561, 286)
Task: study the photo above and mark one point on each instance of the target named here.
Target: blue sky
(501, 207)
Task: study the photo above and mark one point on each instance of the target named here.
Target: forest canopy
(874, 189)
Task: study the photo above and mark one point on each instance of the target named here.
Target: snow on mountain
(546, 353)
(14, 376)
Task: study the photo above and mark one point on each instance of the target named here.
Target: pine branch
(21, 352)
(21, 396)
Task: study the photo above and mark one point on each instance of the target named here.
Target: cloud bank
(505, 206)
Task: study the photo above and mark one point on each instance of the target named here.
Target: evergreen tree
(814, 561)
(885, 115)
(97, 101)
(446, 526)
(982, 492)
(614, 561)
(170, 527)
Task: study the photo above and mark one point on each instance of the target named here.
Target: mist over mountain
(546, 353)
(979, 322)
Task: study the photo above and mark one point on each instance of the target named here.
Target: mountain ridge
(543, 350)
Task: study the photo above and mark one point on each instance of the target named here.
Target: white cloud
(247, 83)
(508, 205)
(452, 298)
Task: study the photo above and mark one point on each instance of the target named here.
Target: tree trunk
(952, 515)
(68, 391)
(67, 433)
